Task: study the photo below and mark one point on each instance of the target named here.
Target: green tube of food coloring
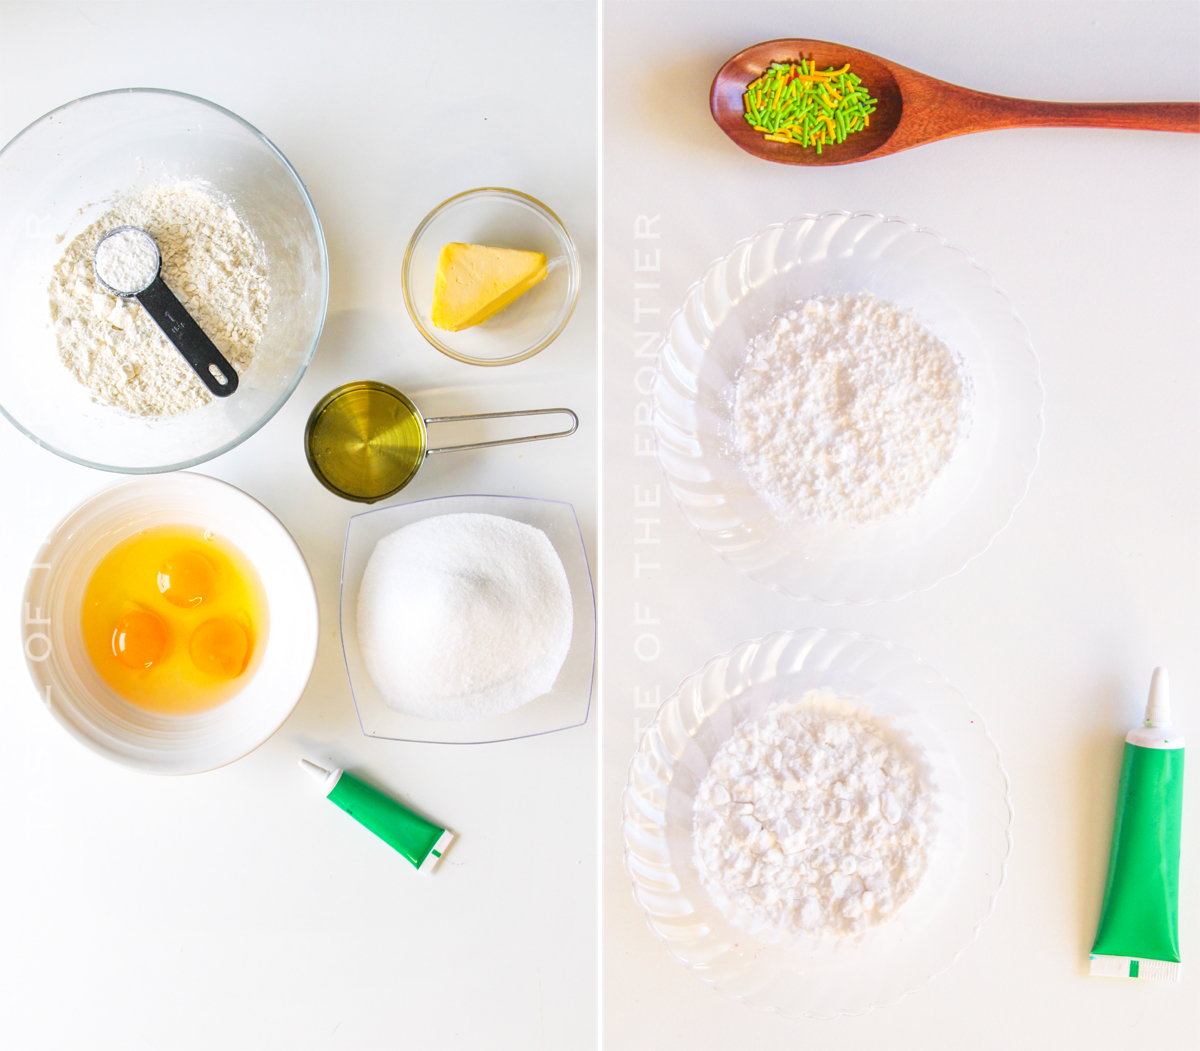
(421, 841)
(1138, 936)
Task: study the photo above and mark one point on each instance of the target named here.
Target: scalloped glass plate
(830, 976)
(835, 254)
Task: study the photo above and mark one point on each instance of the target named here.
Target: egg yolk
(186, 579)
(219, 647)
(139, 639)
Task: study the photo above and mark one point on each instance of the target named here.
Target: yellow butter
(473, 282)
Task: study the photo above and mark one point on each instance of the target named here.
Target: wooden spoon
(913, 109)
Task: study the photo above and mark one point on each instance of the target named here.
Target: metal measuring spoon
(160, 303)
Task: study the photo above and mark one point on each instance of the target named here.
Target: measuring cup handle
(189, 338)
(503, 416)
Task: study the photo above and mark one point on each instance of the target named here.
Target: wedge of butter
(473, 282)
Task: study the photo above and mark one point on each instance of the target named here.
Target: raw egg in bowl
(170, 623)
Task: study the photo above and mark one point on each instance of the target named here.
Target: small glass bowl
(502, 219)
(563, 707)
(61, 174)
(835, 254)
(807, 976)
(91, 710)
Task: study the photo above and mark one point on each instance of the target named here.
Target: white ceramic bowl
(835, 254)
(64, 171)
(566, 705)
(819, 977)
(87, 706)
(503, 219)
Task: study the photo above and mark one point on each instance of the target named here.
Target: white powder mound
(213, 264)
(464, 616)
(808, 822)
(846, 410)
(127, 260)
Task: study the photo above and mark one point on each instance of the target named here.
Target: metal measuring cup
(366, 441)
(207, 362)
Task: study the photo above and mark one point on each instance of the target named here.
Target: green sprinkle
(808, 107)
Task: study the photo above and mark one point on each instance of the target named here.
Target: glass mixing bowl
(819, 977)
(837, 254)
(64, 171)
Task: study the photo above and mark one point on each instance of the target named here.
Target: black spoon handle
(181, 329)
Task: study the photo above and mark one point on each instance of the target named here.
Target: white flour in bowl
(811, 822)
(213, 264)
(846, 410)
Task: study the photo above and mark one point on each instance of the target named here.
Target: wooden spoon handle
(935, 109)
(996, 111)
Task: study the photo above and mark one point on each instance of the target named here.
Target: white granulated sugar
(127, 261)
(464, 616)
(213, 264)
(846, 410)
(811, 822)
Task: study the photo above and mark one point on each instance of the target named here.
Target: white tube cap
(1158, 706)
(1156, 731)
(328, 778)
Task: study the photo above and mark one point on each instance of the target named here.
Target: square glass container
(566, 705)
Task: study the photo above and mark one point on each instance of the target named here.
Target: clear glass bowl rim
(503, 191)
(316, 221)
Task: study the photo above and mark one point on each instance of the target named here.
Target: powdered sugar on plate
(846, 410)
(811, 819)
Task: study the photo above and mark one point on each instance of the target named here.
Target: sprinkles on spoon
(796, 103)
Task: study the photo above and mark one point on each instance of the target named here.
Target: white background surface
(1053, 632)
(238, 908)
